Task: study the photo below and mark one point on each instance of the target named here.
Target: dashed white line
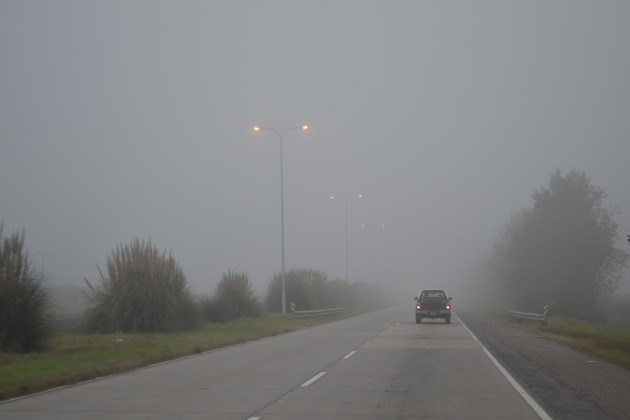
(313, 379)
(349, 355)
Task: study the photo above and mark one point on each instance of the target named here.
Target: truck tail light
(448, 305)
(418, 305)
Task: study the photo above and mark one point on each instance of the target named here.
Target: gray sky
(125, 119)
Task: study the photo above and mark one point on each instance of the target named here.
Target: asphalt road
(380, 365)
(568, 384)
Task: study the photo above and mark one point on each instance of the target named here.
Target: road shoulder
(567, 383)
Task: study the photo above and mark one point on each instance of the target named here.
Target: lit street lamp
(280, 137)
(345, 200)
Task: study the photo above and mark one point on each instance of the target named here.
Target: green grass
(74, 357)
(610, 343)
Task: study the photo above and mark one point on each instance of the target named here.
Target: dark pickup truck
(433, 304)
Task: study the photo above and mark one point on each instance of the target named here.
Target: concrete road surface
(380, 365)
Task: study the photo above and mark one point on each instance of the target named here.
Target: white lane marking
(349, 355)
(532, 403)
(313, 379)
(254, 418)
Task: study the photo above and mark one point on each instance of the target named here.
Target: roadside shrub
(307, 288)
(310, 290)
(145, 291)
(336, 294)
(208, 309)
(24, 301)
(617, 309)
(234, 298)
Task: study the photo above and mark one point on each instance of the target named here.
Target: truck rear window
(432, 293)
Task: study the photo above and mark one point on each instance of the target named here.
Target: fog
(134, 119)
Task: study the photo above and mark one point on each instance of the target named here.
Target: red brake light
(418, 305)
(448, 305)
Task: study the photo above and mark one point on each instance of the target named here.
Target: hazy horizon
(123, 120)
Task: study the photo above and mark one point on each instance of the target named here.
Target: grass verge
(74, 357)
(610, 343)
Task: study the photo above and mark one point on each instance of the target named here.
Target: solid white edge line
(313, 379)
(532, 403)
(349, 355)
(254, 418)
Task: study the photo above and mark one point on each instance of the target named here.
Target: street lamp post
(345, 201)
(280, 137)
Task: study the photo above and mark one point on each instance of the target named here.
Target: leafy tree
(561, 251)
(24, 301)
(146, 291)
(512, 263)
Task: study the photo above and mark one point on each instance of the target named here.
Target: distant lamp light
(256, 128)
(304, 127)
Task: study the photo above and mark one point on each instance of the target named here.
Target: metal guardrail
(526, 315)
(318, 312)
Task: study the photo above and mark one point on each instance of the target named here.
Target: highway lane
(379, 365)
(428, 371)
